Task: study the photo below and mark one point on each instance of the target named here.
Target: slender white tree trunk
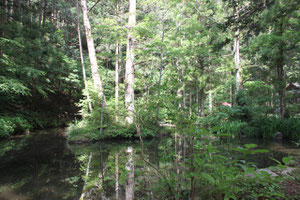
(202, 99)
(129, 187)
(117, 177)
(11, 9)
(184, 96)
(81, 58)
(238, 69)
(82, 197)
(92, 51)
(210, 100)
(230, 91)
(118, 49)
(6, 7)
(191, 101)
(117, 79)
(129, 70)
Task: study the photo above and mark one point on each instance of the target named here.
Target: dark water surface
(39, 166)
(42, 166)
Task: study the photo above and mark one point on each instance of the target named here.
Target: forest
(181, 97)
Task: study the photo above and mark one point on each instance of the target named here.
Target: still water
(43, 166)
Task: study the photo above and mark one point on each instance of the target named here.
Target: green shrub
(233, 127)
(9, 125)
(251, 131)
(6, 127)
(82, 131)
(268, 126)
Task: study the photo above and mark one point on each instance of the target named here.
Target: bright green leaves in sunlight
(250, 149)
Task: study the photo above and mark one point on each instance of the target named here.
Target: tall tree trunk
(184, 96)
(81, 58)
(118, 49)
(19, 4)
(44, 13)
(82, 197)
(41, 12)
(160, 68)
(129, 73)
(179, 95)
(5, 7)
(117, 177)
(117, 79)
(191, 101)
(230, 90)
(92, 52)
(210, 100)
(202, 99)
(197, 101)
(3, 20)
(238, 77)
(129, 187)
(11, 9)
(280, 75)
(179, 90)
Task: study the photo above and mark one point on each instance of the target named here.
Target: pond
(44, 166)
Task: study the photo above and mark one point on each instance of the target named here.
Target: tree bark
(129, 187)
(92, 52)
(197, 101)
(81, 58)
(82, 197)
(117, 177)
(160, 69)
(280, 75)
(41, 12)
(19, 4)
(202, 99)
(191, 102)
(5, 7)
(238, 77)
(129, 73)
(3, 20)
(210, 89)
(210, 100)
(230, 90)
(117, 79)
(44, 13)
(11, 9)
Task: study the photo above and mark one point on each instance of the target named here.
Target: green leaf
(287, 160)
(215, 128)
(260, 151)
(250, 146)
(277, 161)
(199, 161)
(208, 177)
(223, 157)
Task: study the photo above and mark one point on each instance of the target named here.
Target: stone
(278, 136)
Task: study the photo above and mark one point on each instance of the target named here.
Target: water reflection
(44, 166)
(158, 171)
(38, 166)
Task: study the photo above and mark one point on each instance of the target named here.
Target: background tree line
(153, 62)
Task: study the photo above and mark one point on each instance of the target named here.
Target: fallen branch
(162, 124)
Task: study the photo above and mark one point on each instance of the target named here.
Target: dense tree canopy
(199, 75)
(189, 59)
